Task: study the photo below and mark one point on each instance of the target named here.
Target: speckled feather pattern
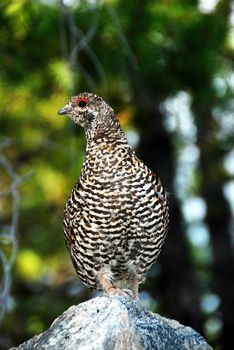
(116, 217)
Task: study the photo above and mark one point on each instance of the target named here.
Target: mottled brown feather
(116, 218)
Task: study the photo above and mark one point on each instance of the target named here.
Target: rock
(114, 323)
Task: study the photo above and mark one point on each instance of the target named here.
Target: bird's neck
(103, 150)
(109, 140)
(111, 136)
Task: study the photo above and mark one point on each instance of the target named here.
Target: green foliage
(115, 48)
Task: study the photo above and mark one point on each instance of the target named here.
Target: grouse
(116, 218)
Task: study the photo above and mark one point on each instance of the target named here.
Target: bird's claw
(127, 293)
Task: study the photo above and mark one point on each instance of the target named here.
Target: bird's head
(90, 111)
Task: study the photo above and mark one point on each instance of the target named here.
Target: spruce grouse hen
(116, 218)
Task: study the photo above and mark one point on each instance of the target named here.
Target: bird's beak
(64, 110)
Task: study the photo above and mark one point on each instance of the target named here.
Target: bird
(117, 215)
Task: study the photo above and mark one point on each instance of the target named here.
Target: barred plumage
(116, 217)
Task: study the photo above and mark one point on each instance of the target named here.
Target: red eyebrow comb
(85, 99)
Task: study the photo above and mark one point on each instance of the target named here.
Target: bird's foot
(127, 293)
(130, 293)
(109, 289)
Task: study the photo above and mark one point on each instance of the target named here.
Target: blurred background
(166, 67)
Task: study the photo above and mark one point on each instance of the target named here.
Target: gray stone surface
(115, 323)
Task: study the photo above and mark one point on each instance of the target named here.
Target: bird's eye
(82, 103)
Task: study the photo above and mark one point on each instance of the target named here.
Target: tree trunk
(176, 285)
(218, 218)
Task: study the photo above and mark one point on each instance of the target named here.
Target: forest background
(166, 67)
